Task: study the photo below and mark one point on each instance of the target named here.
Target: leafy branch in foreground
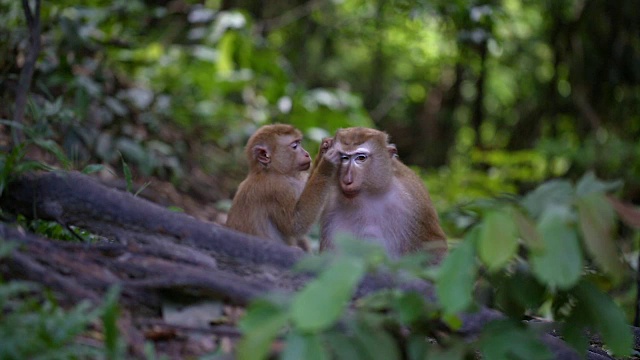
(528, 252)
(552, 253)
(33, 325)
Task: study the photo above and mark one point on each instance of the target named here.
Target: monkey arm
(327, 143)
(296, 220)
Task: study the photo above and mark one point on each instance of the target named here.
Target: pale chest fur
(384, 219)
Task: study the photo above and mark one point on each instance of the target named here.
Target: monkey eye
(360, 158)
(295, 145)
(344, 158)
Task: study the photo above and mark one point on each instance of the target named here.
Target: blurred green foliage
(33, 325)
(548, 254)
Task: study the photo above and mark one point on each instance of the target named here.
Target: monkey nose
(347, 179)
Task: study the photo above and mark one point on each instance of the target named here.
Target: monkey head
(366, 161)
(277, 148)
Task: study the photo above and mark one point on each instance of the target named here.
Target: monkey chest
(381, 222)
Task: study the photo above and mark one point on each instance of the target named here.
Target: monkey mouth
(350, 194)
(305, 166)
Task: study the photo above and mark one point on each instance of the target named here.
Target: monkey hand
(332, 156)
(327, 143)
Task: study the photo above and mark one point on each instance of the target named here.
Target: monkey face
(294, 156)
(353, 167)
(365, 165)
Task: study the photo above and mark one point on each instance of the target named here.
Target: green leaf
(114, 346)
(127, 175)
(322, 301)
(519, 292)
(343, 346)
(410, 307)
(603, 315)
(573, 330)
(589, 184)
(380, 300)
(596, 223)
(498, 240)
(260, 326)
(457, 351)
(52, 147)
(374, 339)
(7, 248)
(505, 339)
(30, 165)
(457, 274)
(554, 192)
(313, 264)
(225, 63)
(560, 265)
(304, 346)
(141, 189)
(528, 232)
(92, 168)
(371, 252)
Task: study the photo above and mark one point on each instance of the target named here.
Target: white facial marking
(358, 155)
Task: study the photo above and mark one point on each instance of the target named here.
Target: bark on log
(158, 252)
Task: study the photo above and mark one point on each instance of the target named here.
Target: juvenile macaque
(276, 201)
(379, 198)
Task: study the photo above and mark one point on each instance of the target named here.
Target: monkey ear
(393, 151)
(261, 153)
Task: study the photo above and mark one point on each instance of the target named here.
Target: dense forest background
(486, 100)
(486, 97)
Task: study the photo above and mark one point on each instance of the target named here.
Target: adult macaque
(276, 201)
(379, 198)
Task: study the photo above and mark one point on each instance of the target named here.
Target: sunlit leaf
(320, 303)
(225, 62)
(457, 274)
(554, 192)
(260, 326)
(560, 265)
(498, 240)
(589, 184)
(597, 222)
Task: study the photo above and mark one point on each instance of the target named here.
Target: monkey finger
(333, 156)
(327, 143)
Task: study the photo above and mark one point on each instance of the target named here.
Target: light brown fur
(380, 199)
(276, 201)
